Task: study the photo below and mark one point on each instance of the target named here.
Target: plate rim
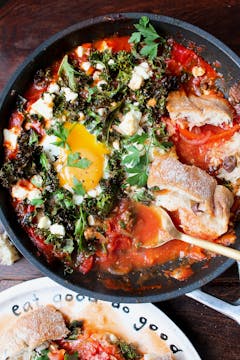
(43, 283)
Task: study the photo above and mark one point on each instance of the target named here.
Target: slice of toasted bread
(32, 330)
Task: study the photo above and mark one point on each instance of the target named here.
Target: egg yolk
(85, 145)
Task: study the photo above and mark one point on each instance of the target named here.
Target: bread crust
(199, 110)
(184, 186)
(167, 172)
(31, 330)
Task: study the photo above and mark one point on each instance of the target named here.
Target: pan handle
(230, 310)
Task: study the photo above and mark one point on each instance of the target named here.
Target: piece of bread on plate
(33, 329)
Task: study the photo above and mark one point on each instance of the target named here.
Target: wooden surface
(24, 24)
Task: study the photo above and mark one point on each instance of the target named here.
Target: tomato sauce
(123, 252)
(126, 254)
(192, 146)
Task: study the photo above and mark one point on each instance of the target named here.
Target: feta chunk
(140, 73)
(77, 199)
(37, 180)
(53, 88)
(19, 192)
(102, 111)
(43, 106)
(44, 222)
(111, 62)
(136, 82)
(96, 75)
(95, 192)
(10, 137)
(80, 51)
(48, 146)
(86, 66)
(57, 229)
(100, 67)
(69, 94)
(130, 123)
(34, 194)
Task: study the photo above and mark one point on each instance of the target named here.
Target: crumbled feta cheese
(95, 192)
(198, 71)
(53, 88)
(86, 66)
(96, 75)
(100, 67)
(37, 180)
(19, 192)
(130, 123)
(101, 83)
(57, 229)
(91, 220)
(136, 82)
(8, 253)
(48, 146)
(140, 73)
(44, 222)
(80, 51)
(143, 70)
(43, 106)
(69, 94)
(77, 199)
(111, 62)
(34, 194)
(102, 111)
(10, 137)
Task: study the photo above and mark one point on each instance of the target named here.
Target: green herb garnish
(62, 133)
(36, 202)
(75, 160)
(148, 35)
(78, 187)
(69, 72)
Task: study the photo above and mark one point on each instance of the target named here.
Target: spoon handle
(211, 246)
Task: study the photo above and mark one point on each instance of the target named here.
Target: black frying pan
(159, 288)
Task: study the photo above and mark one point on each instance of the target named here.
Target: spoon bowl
(169, 232)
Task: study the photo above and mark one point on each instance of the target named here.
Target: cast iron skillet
(92, 285)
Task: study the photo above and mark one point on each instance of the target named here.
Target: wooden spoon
(169, 232)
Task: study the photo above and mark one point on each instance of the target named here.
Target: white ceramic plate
(142, 323)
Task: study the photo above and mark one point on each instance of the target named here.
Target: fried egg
(86, 146)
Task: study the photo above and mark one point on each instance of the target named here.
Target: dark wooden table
(24, 24)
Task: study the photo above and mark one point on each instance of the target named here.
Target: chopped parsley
(75, 160)
(148, 35)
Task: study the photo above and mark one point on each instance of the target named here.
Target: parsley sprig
(75, 160)
(149, 36)
(78, 187)
(69, 72)
(62, 133)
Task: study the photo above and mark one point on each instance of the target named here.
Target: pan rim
(226, 263)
